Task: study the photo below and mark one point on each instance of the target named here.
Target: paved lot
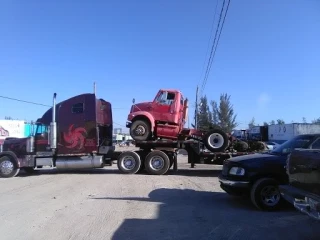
(104, 204)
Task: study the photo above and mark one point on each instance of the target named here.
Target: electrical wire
(211, 31)
(40, 104)
(212, 50)
(214, 46)
(19, 100)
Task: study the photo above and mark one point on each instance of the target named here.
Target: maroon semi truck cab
(73, 134)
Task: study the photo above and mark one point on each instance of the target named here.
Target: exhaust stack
(53, 125)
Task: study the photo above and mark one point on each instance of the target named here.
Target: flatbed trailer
(158, 156)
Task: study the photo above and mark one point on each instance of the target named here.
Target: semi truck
(74, 134)
(77, 133)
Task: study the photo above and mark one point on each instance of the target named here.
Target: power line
(214, 46)
(40, 104)
(19, 100)
(212, 50)
(211, 31)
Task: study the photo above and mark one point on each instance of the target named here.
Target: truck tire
(216, 140)
(157, 163)
(265, 194)
(129, 162)
(8, 167)
(140, 130)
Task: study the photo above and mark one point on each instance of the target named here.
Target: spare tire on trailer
(216, 140)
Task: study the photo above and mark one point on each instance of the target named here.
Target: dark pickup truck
(259, 175)
(303, 190)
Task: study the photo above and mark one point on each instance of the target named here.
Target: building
(121, 137)
(11, 128)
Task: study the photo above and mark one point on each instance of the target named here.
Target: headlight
(239, 171)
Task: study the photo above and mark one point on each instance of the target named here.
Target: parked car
(259, 175)
(303, 190)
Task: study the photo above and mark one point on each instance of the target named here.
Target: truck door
(72, 130)
(164, 106)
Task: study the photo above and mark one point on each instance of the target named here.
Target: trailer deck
(152, 155)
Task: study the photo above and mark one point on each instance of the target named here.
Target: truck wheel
(157, 163)
(216, 140)
(8, 167)
(265, 194)
(140, 130)
(129, 162)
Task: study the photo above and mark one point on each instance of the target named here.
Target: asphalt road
(104, 204)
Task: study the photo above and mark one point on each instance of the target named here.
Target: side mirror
(133, 101)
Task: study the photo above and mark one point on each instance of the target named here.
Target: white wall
(15, 128)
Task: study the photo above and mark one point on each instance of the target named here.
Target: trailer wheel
(8, 167)
(140, 130)
(157, 163)
(129, 162)
(216, 140)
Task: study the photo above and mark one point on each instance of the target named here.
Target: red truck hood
(140, 107)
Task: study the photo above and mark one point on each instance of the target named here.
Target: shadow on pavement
(22, 173)
(106, 170)
(189, 214)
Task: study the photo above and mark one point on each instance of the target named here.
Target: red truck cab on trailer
(165, 117)
(158, 130)
(74, 134)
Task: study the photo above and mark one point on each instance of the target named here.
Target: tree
(225, 113)
(280, 121)
(265, 124)
(214, 111)
(272, 122)
(251, 123)
(204, 115)
(304, 120)
(316, 121)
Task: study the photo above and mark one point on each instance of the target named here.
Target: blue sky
(268, 58)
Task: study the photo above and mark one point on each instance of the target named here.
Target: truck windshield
(41, 129)
(302, 141)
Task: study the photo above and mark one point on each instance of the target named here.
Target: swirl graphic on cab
(74, 137)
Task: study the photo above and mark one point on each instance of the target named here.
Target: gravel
(104, 204)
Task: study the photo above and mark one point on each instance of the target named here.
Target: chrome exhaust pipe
(53, 125)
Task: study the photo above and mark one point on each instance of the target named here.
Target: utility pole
(196, 111)
(94, 87)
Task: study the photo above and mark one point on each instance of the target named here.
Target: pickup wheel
(8, 167)
(129, 162)
(140, 130)
(157, 163)
(265, 194)
(216, 140)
